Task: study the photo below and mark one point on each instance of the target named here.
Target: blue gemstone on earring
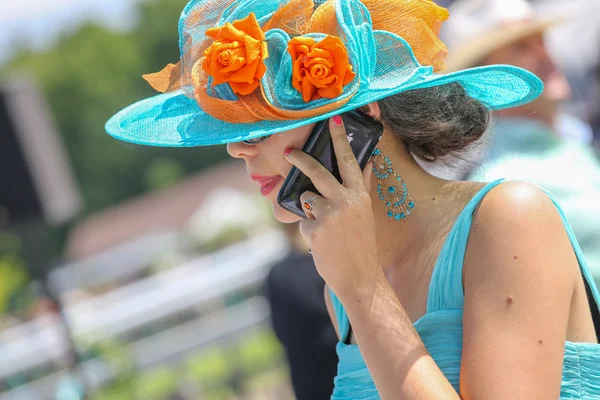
(411, 204)
(392, 189)
(390, 214)
(377, 151)
(399, 178)
(398, 217)
(389, 204)
(403, 216)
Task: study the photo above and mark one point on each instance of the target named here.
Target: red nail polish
(287, 151)
(338, 120)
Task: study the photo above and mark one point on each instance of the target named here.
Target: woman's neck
(396, 238)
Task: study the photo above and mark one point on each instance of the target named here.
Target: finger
(368, 175)
(323, 180)
(347, 164)
(320, 205)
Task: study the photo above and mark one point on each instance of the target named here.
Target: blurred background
(131, 272)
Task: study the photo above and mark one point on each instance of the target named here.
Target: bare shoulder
(519, 236)
(517, 201)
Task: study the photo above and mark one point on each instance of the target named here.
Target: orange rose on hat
(237, 55)
(320, 69)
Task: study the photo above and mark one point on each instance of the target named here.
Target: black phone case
(364, 132)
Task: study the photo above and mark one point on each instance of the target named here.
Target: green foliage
(256, 361)
(156, 384)
(13, 277)
(209, 367)
(10, 243)
(258, 352)
(162, 173)
(229, 235)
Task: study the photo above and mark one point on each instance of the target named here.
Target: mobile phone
(364, 132)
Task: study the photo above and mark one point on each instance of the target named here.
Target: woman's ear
(372, 109)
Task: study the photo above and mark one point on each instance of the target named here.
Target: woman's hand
(340, 228)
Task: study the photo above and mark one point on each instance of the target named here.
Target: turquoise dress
(441, 327)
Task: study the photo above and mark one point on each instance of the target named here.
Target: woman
(450, 289)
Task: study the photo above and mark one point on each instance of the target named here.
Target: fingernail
(338, 120)
(287, 152)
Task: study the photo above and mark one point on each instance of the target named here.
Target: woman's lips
(267, 183)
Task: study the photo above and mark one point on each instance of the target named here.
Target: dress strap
(446, 287)
(585, 271)
(343, 322)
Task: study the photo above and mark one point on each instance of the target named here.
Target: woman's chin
(284, 216)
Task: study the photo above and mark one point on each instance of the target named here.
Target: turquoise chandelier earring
(394, 194)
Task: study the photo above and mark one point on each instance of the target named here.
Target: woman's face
(265, 164)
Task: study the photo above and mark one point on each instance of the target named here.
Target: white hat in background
(478, 27)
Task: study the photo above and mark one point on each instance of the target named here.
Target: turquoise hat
(252, 68)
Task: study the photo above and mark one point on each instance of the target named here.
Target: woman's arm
(520, 273)
(396, 357)
(517, 303)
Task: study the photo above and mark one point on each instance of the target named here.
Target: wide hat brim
(175, 120)
(471, 53)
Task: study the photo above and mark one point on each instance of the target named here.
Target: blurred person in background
(536, 142)
(300, 320)
(437, 289)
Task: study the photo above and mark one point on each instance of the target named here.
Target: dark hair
(435, 122)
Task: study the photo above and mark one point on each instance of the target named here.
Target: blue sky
(38, 23)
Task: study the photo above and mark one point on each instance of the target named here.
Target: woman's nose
(241, 150)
